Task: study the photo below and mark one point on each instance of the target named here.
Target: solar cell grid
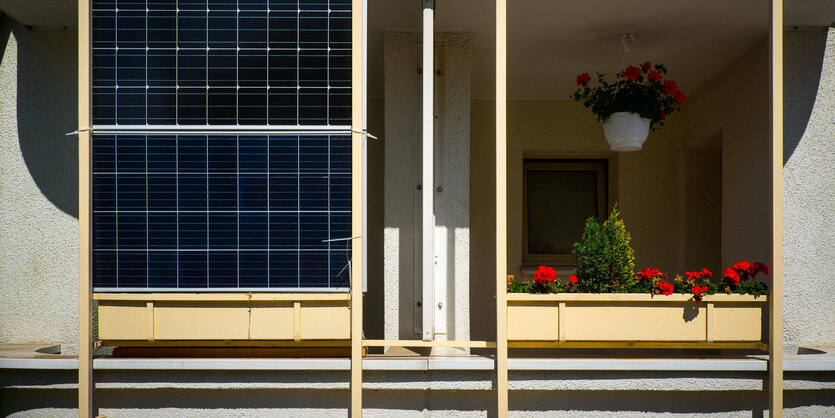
(221, 211)
(246, 62)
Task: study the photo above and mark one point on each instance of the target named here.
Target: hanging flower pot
(626, 131)
(638, 101)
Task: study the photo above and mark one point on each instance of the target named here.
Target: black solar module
(179, 206)
(222, 62)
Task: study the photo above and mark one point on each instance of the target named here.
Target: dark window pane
(549, 233)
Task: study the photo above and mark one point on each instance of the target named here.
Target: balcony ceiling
(550, 42)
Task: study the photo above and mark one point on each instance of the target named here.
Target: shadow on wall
(47, 106)
(801, 77)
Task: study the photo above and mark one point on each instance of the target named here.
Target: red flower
(744, 267)
(762, 268)
(583, 79)
(654, 76)
(666, 288)
(544, 275)
(670, 87)
(706, 273)
(646, 66)
(679, 96)
(649, 274)
(697, 292)
(731, 276)
(572, 278)
(631, 72)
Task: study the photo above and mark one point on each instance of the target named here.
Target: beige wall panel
(271, 322)
(642, 322)
(532, 322)
(737, 322)
(325, 321)
(208, 321)
(123, 321)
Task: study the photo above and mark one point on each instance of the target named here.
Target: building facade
(266, 81)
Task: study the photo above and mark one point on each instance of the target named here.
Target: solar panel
(220, 211)
(222, 62)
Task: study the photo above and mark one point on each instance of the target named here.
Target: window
(559, 195)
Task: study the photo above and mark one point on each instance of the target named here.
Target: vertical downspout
(427, 212)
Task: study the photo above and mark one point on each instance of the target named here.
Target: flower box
(629, 318)
(169, 318)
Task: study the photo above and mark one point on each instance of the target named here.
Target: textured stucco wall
(731, 111)
(38, 186)
(402, 156)
(738, 123)
(809, 191)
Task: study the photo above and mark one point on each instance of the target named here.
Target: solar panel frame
(163, 83)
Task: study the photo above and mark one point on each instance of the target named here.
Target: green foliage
(751, 288)
(651, 98)
(605, 260)
(622, 264)
(532, 287)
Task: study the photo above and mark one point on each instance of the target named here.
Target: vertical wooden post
(775, 300)
(357, 139)
(85, 301)
(501, 207)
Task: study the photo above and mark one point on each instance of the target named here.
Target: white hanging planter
(626, 131)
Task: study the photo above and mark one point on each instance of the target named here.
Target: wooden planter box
(160, 318)
(635, 320)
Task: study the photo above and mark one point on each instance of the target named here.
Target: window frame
(599, 165)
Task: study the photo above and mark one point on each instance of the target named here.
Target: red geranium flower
(583, 79)
(544, 274)
(572, 278)
(666, 288)
(679, 96)
(761, 267)
(731, 276)
(646, 65)
(670, 87)
(706, 273)
(743, 267)
(654, 76)
(631, 72)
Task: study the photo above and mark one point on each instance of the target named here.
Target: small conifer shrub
(605, 260)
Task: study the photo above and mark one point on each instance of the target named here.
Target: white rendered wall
(402, 95)
(38, 186)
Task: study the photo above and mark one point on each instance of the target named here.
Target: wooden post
(85, 301)
(501, 207)
(357, 139)
(775, 300)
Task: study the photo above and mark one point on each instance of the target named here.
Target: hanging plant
(640, 90)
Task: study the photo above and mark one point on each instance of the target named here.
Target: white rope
(364, 133)
(79, 130)
(627, 51)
